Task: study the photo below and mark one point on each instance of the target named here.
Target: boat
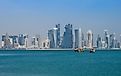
(92, 50)
(79, 50)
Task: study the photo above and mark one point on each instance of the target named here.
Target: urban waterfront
(60, 63)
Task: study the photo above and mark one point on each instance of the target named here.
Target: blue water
(56, 63)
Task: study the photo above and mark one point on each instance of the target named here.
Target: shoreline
(58, 49)
(36, 49)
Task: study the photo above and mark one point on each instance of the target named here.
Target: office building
(22, 40)
(67, 41)
(14, 41)
(89, 39)
(3, 40)
(78, 38)
(45, 44)
(34, 42)
(106, 39)
(112, 40)
(6, 43)
(83, 41)
(58, 35)
(99, 42)
(53, 37)
(39, 43)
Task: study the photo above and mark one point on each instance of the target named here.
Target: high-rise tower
(67, 41)
(58, 35)
(89, 39)
(78, 38)
(106, 39)
(99, 42)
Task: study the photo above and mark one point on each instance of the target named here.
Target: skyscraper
(106, 39)
(39, 43)
(46, 43)
(99, 42)
(67, 41)
(83, 40)
(53, 37)
(78, 38)
(89, 39)
(14, 41)
(6, 41)
(112, 40)
(58, 35)
(22, 40)
(3, 40)
(34, 42)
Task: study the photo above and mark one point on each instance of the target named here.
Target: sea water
(60, 63)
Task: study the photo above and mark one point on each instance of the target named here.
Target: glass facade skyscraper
(58, 35)
(78, 38)
(6, 41)
(112, 41)
(67, 41)
(22, 40)
(99, 42)
(106, 39)
(54, 37)
(14, 41)
(89, 39)
(51, 38)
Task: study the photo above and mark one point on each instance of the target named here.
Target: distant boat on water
(79, 50)
(92, 50)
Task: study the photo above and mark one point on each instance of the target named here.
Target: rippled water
(60, 63)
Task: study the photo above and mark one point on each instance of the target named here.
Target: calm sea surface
(60, 63)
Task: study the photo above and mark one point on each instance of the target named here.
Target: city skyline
(69, 40)
(29, 16)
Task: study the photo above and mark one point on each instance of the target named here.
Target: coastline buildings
(83, 41)
(36, 42)
(58, 36)
(78, 38)
(55, 40)
(67, 41)
(89, 39)
(54, 37)
(6, 41)
(14, 41)
(109, 41)
(112, 40)
(99, 41)
(23, 41)
(45, 44)
(106, 39)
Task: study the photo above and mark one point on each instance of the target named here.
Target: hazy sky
(37, 16)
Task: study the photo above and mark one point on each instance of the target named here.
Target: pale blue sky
(37, 16)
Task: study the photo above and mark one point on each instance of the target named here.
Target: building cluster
(21, 41)
(68, 40)
(14, 41)
(79, 40)
(108, 41)
(58, 41)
